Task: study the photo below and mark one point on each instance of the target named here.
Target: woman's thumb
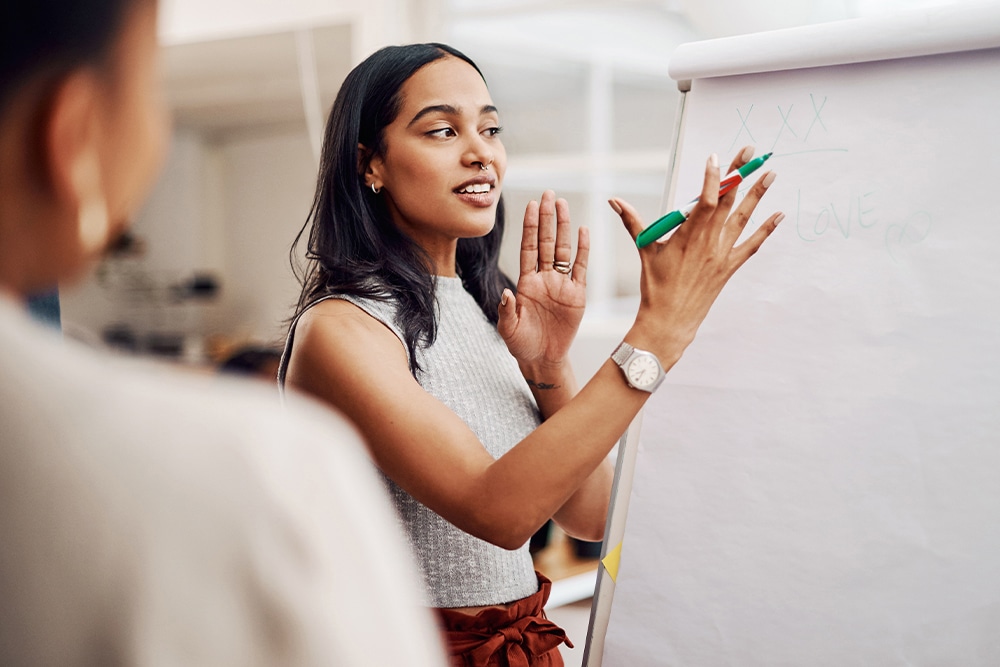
(628, 215)
(507, 313)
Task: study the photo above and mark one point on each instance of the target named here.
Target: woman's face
(99, 135)
(432, 172)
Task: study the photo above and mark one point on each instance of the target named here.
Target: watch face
(643, 371)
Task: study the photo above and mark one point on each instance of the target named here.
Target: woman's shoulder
(344, 311)
(375, 301)
(336, 323)
(360, 321)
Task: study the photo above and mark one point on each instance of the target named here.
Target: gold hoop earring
(93, 224)
(92, 217)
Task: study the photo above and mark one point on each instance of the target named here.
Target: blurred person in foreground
(148, 517)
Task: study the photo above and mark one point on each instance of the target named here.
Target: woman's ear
(70, 136)
(72, 155)
(369, 167)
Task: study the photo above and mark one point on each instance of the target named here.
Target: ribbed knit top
(469, 369)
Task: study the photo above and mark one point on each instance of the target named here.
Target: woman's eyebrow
(450, 111)
(446, 109)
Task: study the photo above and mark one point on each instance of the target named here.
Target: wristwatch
(642, 369)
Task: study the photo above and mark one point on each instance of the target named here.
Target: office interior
(588, 109)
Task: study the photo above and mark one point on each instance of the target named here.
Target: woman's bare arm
(348, 359)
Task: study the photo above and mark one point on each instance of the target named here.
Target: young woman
(458, 378)
(150, 517)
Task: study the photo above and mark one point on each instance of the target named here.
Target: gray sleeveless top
(469, 369)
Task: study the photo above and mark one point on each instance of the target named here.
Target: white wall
(268, 189)
(375, 22)
(719, 18)
(183, 21)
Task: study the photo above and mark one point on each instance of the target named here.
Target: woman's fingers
(741, 159)
(709, 202)
(546, 243)
(582, 256)
(630, 218)
(564, 247)
(739, 218)
(709, 198)
(745, 250)
(507, 314)
(547, 231)
(529, 239)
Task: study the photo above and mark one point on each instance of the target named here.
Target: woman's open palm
(541, 321)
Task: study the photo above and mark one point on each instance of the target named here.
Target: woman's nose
(479, 152)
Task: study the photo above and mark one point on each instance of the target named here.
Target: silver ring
(484, 167)
(561, 267)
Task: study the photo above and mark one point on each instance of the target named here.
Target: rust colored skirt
(518, 636)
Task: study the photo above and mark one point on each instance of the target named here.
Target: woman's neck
(442, 258)
(441, 250)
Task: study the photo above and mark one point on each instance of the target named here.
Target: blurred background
(588, 109)
(585, 98)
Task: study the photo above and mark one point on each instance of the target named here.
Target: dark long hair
(51, 37)
(354, 248)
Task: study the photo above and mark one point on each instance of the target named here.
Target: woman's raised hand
(540, 322)
(682, 276)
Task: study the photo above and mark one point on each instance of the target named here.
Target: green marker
(675, 218)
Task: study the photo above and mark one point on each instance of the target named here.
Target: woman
(148, 517)
(458, 379)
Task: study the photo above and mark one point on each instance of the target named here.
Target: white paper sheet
(819, 479)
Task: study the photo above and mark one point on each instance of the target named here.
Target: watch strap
(622, 353)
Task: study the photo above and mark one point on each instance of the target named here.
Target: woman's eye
(442, 132)
(494, 131)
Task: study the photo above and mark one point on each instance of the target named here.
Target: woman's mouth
(475, 188)
(477, 192)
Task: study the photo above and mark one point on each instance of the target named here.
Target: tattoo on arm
(541, 385)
